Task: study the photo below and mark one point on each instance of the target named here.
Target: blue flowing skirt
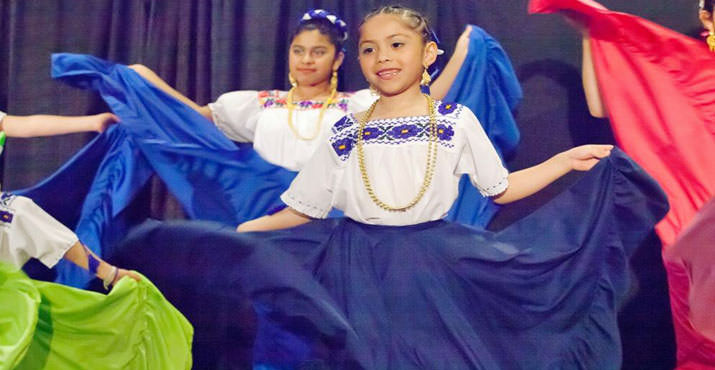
(541, 294)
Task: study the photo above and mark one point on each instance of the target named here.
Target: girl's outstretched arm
(530, 180)
(590, 82)
(47, 125)
(588, 72)
(285, 218)
(152, 77)
(441, 85)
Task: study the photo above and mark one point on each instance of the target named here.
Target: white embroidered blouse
(395, 156)
(27, 231)
(261, 117)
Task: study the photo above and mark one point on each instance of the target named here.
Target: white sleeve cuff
(495, 189)
(307, 209)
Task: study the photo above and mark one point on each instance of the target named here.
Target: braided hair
(412, 18)
(327, 23)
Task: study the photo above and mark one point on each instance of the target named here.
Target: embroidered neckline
(278, 99)
(390, 131)
(444, 108)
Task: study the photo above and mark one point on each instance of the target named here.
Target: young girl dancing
(46, 324)
(671, 133)
(392, 285)
(26, 230)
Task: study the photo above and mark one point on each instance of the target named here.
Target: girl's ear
(430, 54)
(339, 57)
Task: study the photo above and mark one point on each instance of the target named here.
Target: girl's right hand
(103, 121)
(122, 273)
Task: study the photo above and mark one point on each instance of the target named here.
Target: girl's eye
(367, 50)
(297, 51)
(319, 52)
(397, 44)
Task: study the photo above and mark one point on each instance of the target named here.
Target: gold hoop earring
(426, 78)
(292, 80)
(710, 40)
(334, 81)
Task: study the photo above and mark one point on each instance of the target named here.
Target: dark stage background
(205, 48)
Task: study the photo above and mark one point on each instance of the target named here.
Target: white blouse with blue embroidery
(261, 117)
(395, 156)
(27, 231)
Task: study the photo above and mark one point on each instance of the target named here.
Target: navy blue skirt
(541, 294)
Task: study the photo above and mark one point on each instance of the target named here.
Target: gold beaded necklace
(291, 106)
(431, 159)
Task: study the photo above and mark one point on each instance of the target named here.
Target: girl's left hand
(463, 40)
(584, 157)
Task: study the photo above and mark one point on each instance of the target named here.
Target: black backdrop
(205, 48)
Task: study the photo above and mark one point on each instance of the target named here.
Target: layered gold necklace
(431, 159)
(291, 107)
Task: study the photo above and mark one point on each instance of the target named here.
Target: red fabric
(659, 89)
(690, 263)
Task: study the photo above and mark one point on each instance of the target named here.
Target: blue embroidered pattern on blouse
(395, 131)
(6, 212)
(272, 99)
(447, 108)
(6, 199)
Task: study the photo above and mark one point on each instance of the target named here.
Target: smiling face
(312, 58)
(392, 55)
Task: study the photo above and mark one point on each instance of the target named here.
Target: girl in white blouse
(391, 286)
(26, 231)
(286, 127)
(399, 163)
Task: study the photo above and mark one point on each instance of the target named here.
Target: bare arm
(47, 125)
(530, 180)
(443, 83)
(152, 77)
(590, 82)
(77, 254)
(286, 218)
(588, 73)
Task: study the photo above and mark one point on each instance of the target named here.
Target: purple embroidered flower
(370, 133)
(268, 103)
(404, 131)
(343, 106)
(6, 217)
(445, 133)
(343, 146)
(342, 123)
(305, 104)
(447, 108)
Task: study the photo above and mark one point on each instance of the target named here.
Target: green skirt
(49, 326)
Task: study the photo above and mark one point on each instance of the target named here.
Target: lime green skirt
(49, 326)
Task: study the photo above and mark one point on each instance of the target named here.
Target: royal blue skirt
(541, 294)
